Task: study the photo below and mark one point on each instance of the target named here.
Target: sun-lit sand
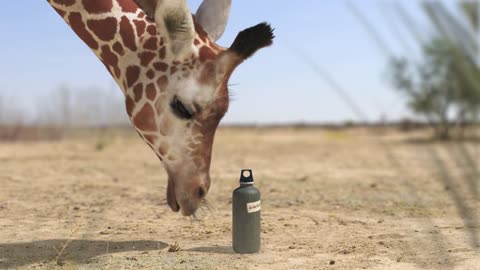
(331, 199)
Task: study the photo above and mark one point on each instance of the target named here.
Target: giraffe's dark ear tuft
(252, 39)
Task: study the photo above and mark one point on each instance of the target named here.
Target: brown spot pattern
(206, 54)
(117, 72)
(150, 74)
(151, 29)
(130, 105)
(127, 33)
(162, 53)
(133, 72)
(151, 92)
(75, 20)
(118, 48)
(109, 69)
(151, 44)
(60, 12)
(162, 83)
(160, 66)
(145, 119)
(127, 5)
(108, 57)
(173, 70)
(138, 92)
(96, 6)
(64, 2)
(146, 58)
(141, 26)
(103, 29)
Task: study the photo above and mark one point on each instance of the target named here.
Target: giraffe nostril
(201, 192)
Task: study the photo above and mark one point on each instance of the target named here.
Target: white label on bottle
(253, 207)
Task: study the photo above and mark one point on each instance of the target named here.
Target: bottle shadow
(14, 255)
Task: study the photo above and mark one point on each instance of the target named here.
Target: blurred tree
(471, 94)
(430, 86)
(445, 86)
(470, 9)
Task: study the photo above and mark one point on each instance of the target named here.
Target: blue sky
(39, 52)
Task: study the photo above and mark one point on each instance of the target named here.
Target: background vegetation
(444, 86)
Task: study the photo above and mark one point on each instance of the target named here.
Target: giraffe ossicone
(173, 75)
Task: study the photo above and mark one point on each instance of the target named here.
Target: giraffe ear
(148, 6)
(178, 22)
(245, 45)
(172, 17)
(212, 15)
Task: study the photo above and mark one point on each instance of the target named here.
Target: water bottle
(246, 216)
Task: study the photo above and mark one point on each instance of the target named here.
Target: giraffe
(173, 75)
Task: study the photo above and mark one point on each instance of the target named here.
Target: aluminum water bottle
(246, 215)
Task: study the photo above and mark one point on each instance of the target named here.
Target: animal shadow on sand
(14, 255)
(214, 249)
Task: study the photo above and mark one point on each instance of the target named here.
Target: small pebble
(332, 262)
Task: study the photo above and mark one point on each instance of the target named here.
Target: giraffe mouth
(171, 198)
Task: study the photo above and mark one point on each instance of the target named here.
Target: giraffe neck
(136, 55)
(127, 42)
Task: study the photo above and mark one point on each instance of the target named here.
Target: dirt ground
(331, 199)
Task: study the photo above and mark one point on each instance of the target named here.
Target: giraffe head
(173, 75)
(177, 108)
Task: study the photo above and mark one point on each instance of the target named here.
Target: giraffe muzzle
(171, 197)
(186, 195)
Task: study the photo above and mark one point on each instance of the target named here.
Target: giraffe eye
(180, 110)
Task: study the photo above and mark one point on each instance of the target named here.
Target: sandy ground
(331, 200)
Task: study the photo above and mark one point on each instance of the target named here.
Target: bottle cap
(246, 177)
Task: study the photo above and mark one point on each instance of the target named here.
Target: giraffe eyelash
(180, 110)
(231, 94)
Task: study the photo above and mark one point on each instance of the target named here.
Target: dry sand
(331, 200)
